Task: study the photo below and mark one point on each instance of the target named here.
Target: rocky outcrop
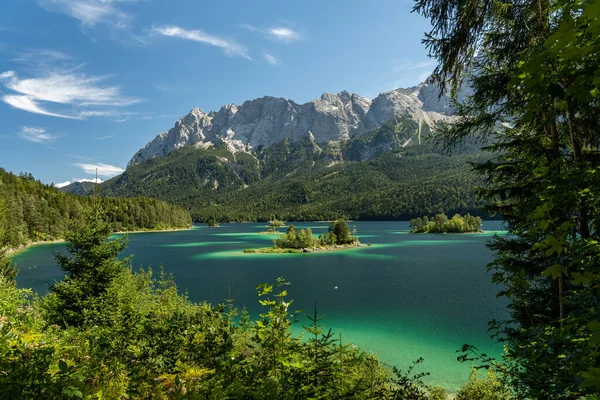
(259, 124)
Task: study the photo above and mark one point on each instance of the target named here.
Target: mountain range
(341, 155)
(261, 123)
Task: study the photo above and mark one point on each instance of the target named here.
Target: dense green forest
(31, 211)
(106, 332)
(303, 182)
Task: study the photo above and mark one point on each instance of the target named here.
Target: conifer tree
(533, 71)
(90, 269)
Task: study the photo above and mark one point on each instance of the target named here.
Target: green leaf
(583, 278)
(555, 271)
(556, 246)
(62, 366)
(595, 92)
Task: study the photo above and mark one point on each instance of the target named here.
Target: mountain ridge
(260, 123)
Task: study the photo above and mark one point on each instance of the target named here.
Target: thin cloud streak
(65, 88)
(102, 169)
(36, 135)
(88, 12)
(271, 59)
(26, 103)
(280, 33)
(229, 47)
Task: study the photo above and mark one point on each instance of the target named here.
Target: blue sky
(84, 84)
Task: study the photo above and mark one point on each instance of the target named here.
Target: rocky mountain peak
(260, 123)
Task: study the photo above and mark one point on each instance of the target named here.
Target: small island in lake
(337, 237)
(441, 224)
(213, 223)
(273, 226)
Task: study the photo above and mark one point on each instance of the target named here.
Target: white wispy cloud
(65, 88)
(88, 12)
(280, 33)
(67, 183)
(26, 103)
(103, 137)
(103, 169)
(36, 135)
(228, 46)
(285, 34)
(271, 59)
(41, 56)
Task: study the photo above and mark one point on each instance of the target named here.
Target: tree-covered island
(273, 226)
(441, 224)
(338, 236)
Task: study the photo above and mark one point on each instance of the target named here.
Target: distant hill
(80, 188)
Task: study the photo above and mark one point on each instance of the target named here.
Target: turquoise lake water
(406, 296)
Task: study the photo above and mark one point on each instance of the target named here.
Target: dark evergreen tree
(533, 69)
(90, 269)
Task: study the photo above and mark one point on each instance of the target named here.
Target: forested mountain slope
(84, 188)
(374, 176)
(31, 211)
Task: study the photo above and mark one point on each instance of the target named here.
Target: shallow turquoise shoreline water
(406, 296)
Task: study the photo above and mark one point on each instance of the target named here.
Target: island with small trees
(273, 226)
(338, 236)
(213, 223)
(441, 224)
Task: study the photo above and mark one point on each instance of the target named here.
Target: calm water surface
(406, 296)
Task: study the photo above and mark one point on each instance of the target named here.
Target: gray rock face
(260, 123)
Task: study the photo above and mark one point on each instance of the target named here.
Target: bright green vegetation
(535, 65)
(108, 332)
(441, 224)
(294, 241)
(31, 211)
(303, 182)
(274, 225)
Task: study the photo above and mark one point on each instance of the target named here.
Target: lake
(406, 296)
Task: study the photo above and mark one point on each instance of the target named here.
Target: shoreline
(276, 250)
(13, 251)
(154, 230)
